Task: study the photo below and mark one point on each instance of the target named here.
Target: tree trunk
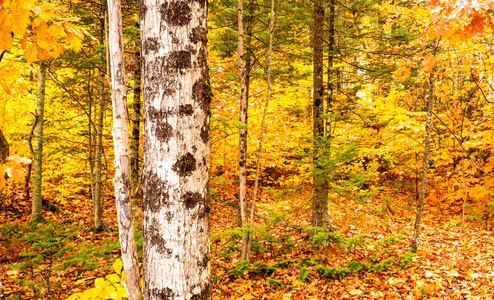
(176, 97)
(320, 197)
(242, 140)
(37, 214)
(121, 181)
(425, 162)
(4, 148)
(90, 138)
(134, 156)
(331, 53)
(98, 200)
(263, 124)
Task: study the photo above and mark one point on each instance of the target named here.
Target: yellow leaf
(100, 283)
(355, 292)
(83, 280)
(113, 278)
(118, 266)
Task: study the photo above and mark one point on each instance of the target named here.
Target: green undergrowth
(380, 255)
(52, 248)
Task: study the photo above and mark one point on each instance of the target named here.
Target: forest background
(388, 67)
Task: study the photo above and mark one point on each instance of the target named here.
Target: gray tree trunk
(320, 197)
(425, 162)
(121, 181)
(37, 214)
(176, 98)
(242, 140)
(98, 200)
(134, 146)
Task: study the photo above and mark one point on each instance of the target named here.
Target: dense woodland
(286, 150)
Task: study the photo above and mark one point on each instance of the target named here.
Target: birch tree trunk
(176, 98)
(242, 140)
(320, 197)
(37, 214)
(121, 181)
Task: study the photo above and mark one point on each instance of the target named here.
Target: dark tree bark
(4, 148)
(134, 146)
(176, 98)
(320, 196)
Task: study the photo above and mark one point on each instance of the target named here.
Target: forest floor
(366, 259)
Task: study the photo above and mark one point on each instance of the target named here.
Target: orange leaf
(429, 63)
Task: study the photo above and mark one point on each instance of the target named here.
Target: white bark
(176, 98)
(121, 181)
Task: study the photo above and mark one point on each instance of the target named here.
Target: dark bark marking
(203, 263)
(191, 199)
(143, 9)
(185, 110)
(161, 128)
(179, 60)
(156, 195)
(204, 294)
(198, 34)
(149, 93)
(179, 14)
(205, 133)
(150, 45)
(165, 293)
(169, 216)
(185, 165)
(163, 131)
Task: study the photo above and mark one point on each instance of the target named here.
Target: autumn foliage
(385, 55)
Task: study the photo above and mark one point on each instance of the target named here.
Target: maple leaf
(429, 63)
(31, 54)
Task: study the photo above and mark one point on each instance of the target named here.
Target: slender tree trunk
(176, 98)
(263, 124)
(90, 138)
(134, 156)
(331, 53)
(425, 162)
(98, 199)
(27, 179)
(37, 214)
(247, 60)
(242, 141)
(121, 181)
(320, 197)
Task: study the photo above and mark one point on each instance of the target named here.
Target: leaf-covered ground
(286, 263)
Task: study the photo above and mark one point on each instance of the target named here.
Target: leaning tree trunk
(425, 162)
(242, 140)
(176, 98)
(121, 181)
(263, 124)
(320, 197)
(37, 214)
